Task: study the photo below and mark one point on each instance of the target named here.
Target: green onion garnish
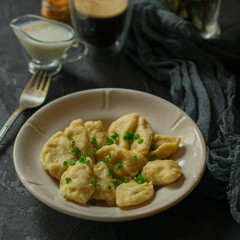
(94, 140)
(110, 170)
(153, 147)
(110, 141)
(71, 140)
(117, 182)
(75, 150)
(119, 164)
(92, 180)
(139, 179)
(68, 180)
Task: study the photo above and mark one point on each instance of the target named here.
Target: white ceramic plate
(107, 105)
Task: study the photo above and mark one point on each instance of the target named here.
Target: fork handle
(9, 122)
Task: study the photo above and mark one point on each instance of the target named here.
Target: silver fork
(32, 96)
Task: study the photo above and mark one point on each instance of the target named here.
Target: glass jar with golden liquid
(56, 10)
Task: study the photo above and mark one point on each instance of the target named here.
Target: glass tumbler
(103, 24)
(202, 13)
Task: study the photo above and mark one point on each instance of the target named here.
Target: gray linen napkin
(171, 51)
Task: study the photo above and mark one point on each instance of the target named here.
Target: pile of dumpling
(120, 166)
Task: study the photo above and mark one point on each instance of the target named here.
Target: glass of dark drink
(103, 24)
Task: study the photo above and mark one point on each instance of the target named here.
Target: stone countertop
(22, 216)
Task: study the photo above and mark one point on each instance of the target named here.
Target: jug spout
(17, 23)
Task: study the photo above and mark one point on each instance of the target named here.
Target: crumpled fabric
(201, 84)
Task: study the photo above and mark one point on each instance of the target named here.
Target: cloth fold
(200, 74)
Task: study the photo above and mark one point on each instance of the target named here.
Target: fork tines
(35, 80)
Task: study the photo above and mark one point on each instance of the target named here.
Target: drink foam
(101, 8)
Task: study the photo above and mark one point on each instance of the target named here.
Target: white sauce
(47, 41)
(45, 31)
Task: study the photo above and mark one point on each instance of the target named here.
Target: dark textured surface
(23, 217)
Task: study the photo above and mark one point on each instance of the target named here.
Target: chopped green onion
(65, 163)
(89, 154)
(105, 160)
(153, 147)
(115, 136)
(68, 180)
(110, 170)
(129, 136)
(135, 157)
(98, 185)
(82, 158)
(125, 179)
(136, 135)
(75, 150)
(92, 181)
(87, 162)
(110, 141)
(129, 133)
(140, 141)
(119, 164)
(153, 158)
(97, 147)
(71, 140)
(117, 182)
(65, 195)
(94, 140)
(108, 187)
(73, 162)
(139, 179)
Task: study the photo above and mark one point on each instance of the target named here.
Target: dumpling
(124, 124)
(145, 133)
(105, 189)
(79, 134)
(105, 152)
(78, 182)
(132, 193)
(56, 154)
(123, 162)
(97, 134)
(161, 172)
(164, 146)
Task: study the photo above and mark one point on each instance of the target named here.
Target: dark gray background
(23, 217)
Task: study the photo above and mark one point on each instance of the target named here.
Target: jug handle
(81, 50)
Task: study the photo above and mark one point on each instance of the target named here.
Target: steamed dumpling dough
(96, 132)
(132, 193)
(123, 162)
(77, 182)
(121, 126)
(103, 179)
(161, 172)
(55, 152)
(165, 146)
(145, 132)
(78, 132)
